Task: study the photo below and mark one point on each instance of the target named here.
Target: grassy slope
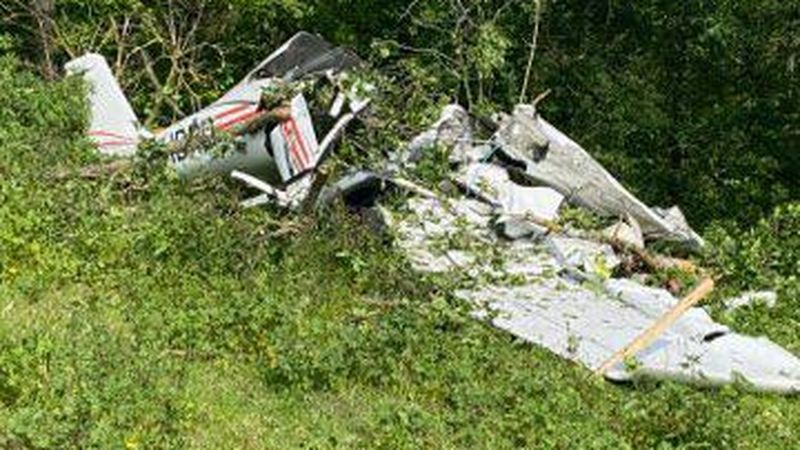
(136, 312)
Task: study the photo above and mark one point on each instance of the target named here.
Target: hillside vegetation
(137, 311)
(691, 103)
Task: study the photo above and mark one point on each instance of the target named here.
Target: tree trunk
(43, 14)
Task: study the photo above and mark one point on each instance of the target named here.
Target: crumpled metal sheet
(304, 54)
(552, 158)
(453, 131)
(530, 295)
(492, 183)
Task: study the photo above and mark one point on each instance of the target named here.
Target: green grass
(139, 312)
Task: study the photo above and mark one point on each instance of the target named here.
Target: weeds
(165, 317)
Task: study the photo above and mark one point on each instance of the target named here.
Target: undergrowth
(137, 311)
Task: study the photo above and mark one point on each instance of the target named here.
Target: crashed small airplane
(559, 287)
(274, 140)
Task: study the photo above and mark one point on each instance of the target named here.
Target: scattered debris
(498, 228)
(452, 131)
(765, 298)
(552, 158)
(562, 294)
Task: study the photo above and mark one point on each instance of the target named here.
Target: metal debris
(518, 268)
(580, 322)
(768, 299)
(552, 158)
(453, 131)
(561, 294)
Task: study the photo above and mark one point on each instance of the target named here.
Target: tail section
(114, 126)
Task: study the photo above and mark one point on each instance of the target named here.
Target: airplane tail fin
(114, 126)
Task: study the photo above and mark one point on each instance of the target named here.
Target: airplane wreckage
(545, 282)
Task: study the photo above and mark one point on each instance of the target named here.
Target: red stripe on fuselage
(233, 110)
(236, 120)
(101, 133)
(306, 155)
(114, 143)
(292, 141)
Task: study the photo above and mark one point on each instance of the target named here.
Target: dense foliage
(139, 312)
(690, 103)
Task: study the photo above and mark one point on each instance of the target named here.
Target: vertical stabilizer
(114, 126)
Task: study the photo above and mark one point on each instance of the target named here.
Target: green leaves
(489, 51)
(137, 311)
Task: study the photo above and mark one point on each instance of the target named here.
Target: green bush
(764, 257)
(139, 312)
(760, 257)
(689, 103)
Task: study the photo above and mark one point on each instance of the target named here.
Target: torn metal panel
(583, 322)
(588, 326)
(552, 158)
(453, 130)
(493, 184)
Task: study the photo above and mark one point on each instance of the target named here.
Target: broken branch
(535, 42)
(657, 329)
